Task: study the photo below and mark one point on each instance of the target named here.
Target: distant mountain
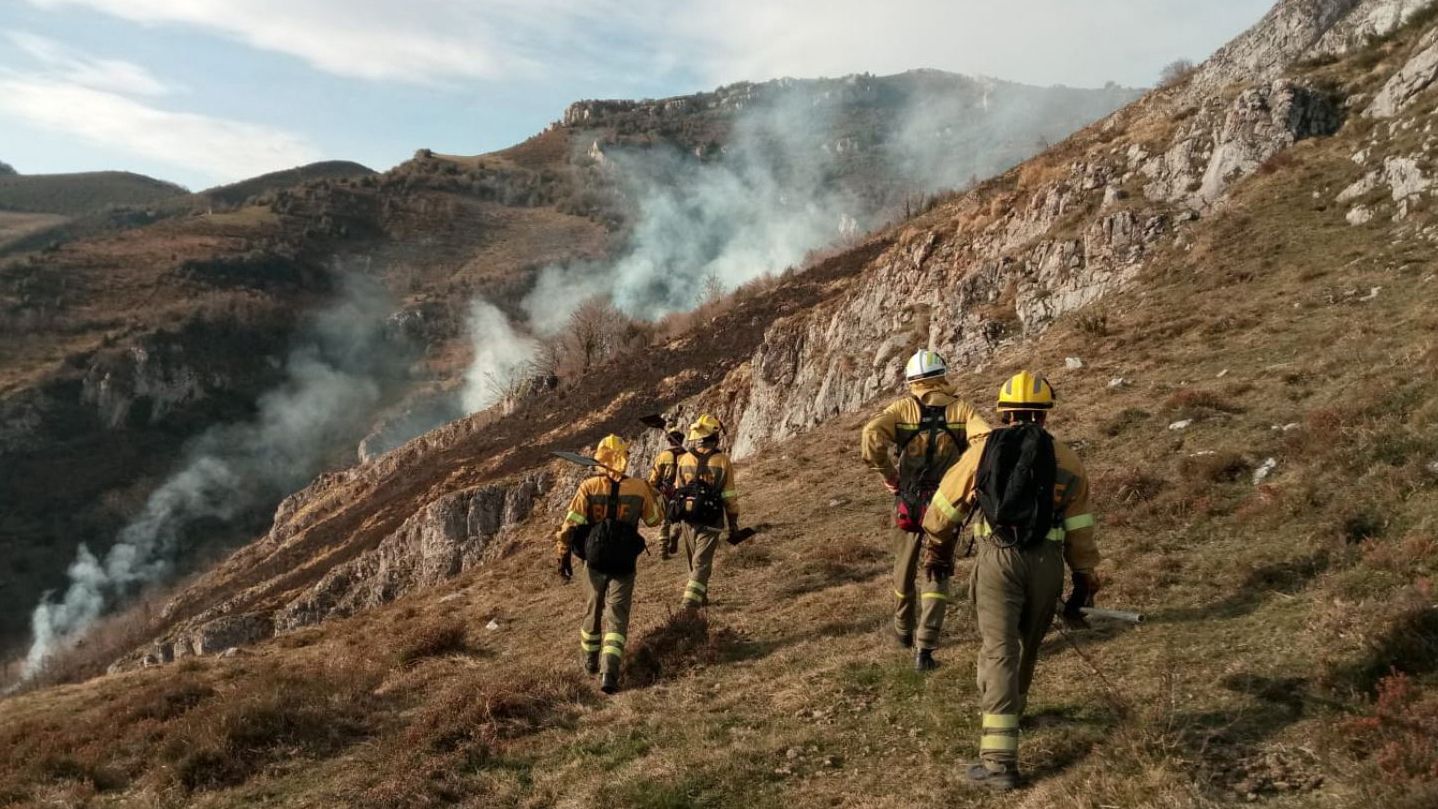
(82, 193)
(238, 193)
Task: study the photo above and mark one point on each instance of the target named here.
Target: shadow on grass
(1286, 577)
(1409, 646)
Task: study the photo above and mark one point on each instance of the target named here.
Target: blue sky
(208, 91)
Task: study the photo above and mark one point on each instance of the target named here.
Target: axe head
(741, 535)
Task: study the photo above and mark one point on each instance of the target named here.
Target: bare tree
(1175, 72)
(591, 331)
(712, 291)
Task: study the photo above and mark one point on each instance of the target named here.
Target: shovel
(583, 460)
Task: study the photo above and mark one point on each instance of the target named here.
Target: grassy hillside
(1280, 612)
(238, 193)
(76, 194)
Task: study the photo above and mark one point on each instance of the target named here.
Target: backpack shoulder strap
(612, 511)
(904, 442)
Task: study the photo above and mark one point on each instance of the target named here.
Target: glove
(733, 520)
(892, 486)
(566, 566)
(936, 565)
(1085, 584)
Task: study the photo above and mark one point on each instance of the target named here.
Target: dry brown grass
(1277, 613)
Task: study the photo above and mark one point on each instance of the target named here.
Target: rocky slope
(981, 273)
(96, 363)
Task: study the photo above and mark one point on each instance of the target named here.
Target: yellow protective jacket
(663, 474)
(637, 502)
(956, 498)
(718, 472)
(899, 424)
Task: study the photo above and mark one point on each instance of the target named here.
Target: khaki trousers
(1014, 593)
(607, 609)
(927, 610)
(700, 542)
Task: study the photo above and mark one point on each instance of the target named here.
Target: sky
(204, 92)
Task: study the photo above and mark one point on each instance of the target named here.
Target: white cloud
(113, 75)
(409, 40)
(222, 149)
(1081, 42)
(1077, 42)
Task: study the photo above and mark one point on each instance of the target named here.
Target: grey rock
(1410, 80)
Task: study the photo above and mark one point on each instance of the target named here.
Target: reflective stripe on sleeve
(933, 596)
(945, 508)
(576, 518)
(1076, 523)
(730, 494)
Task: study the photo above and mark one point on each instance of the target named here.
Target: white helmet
(924, 364)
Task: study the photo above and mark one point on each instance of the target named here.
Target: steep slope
(1270, 504)
(974, 276)
(102, 319)
(1272, 608)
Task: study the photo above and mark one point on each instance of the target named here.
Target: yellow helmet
(613, 453)
(1026, 391)
(703, 427)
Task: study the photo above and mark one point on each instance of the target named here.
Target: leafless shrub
(1175, 72)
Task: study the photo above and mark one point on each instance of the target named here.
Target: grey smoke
(329, 391)
(806, 165)
(500, 352)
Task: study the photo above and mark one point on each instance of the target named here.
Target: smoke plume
(329, 390)
(805, 164)
(500, 354)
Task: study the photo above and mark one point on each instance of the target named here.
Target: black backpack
(611, 546)
(697, 502)
(916, 490)
(1015, 484)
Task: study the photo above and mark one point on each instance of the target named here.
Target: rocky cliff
(979, 273)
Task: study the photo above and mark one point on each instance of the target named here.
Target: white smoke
(757, 209)
(230, 470)
(500, 355)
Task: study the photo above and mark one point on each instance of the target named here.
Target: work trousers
(700, 542)
(1014, 592)
(606, 611)
(924, 601)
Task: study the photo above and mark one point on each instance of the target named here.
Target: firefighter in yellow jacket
(661, 477)
(622, 502)
(1018, 577)
(706, 498)
(929, 428)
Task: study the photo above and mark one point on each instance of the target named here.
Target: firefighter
(661, 477)
(1018, 577)
(606, 512)
(929, 428)
(706, 499)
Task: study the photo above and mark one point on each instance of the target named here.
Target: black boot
(1001, 780)
(609, 683)
(924, 660)
(591, 662)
